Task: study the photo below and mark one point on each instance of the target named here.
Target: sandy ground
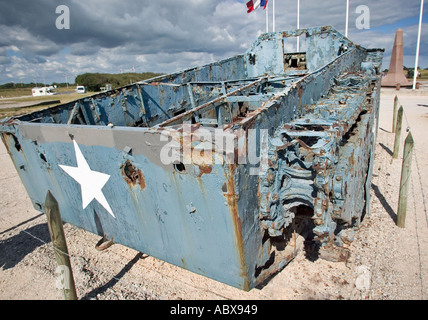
(386, 262)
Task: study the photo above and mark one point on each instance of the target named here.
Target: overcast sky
(167, 36)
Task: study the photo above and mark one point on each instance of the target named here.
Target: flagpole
(273, 16)
(415, 72)
(267, 18)
(347, 16)
(298, 23)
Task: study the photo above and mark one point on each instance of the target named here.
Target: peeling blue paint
(213, 215)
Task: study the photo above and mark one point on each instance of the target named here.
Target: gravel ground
(386, 262)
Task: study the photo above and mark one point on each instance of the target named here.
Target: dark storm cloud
(152, 25)
(165, 35)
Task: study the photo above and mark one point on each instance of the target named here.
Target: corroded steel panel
(222, 169)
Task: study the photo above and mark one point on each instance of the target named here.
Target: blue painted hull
(217, 169)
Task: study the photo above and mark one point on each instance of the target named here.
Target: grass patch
(17, 110)
(424, 74)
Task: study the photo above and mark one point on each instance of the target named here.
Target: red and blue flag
(254, 4)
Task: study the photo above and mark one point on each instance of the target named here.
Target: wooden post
(394, 116)
(60, 247)
(398, 133)
(404, 182)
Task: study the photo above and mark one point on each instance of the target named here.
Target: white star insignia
(91, 182)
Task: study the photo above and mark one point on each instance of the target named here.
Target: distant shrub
(94, 81)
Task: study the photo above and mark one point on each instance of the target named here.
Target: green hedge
(94, 81)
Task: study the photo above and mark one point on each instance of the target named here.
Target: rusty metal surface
(221, 169)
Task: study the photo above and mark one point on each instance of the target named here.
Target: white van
(80, 89)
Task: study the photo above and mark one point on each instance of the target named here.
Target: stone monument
(395, 76)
